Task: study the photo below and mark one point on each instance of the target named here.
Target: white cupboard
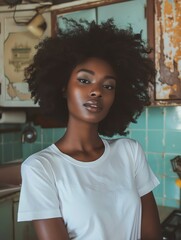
(10, 229)
(17, 48)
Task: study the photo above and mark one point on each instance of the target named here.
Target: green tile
(141, 122)
(168, 166)
(173, 118)
(17, 151)
(172, 191)
(47, 135)
(30, 148)
(159, 190)
(39, 132)
(155, 141)
(173, 142)
(155, 117)
(26, 150)
(7, 137)
(171, 203)
(140, 136)
(156, 163)
(7, 152)
(36, 147)
(45, 145)
(159, 201)
(16, 137)
(58, 133)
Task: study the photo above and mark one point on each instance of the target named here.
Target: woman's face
(91, 90)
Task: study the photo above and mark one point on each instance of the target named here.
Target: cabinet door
(6, 220)
(89, 15)
(22, 230)
(125, 14)
(17, 48)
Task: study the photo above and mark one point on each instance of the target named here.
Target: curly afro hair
(125, 51)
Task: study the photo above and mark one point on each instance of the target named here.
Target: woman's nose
(96, 93)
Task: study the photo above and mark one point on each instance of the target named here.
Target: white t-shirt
(98, 200)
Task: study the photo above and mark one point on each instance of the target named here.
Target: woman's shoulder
(39, 158)
(124, 141)
(125, 144)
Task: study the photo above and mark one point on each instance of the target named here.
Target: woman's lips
(93, 106)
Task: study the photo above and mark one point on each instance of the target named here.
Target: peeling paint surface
(168, 49)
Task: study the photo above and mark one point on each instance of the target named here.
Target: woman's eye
(84, 81)
(109, 87)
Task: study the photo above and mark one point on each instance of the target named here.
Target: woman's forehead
(93, 65)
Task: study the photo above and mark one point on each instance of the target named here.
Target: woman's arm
(150, 225)
(51, 229)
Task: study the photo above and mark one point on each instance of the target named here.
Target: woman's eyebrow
(86, 70)
(93, 73)
(110, 77)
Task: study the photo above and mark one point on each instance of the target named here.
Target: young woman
(94, 78)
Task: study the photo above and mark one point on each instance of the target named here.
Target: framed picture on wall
(17, 51)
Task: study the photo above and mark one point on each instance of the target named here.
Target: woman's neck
(82, 134)
(81, 140)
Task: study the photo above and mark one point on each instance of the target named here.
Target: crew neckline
(81, 163)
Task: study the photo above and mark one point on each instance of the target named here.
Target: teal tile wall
(10, 147)
(45, 137)
(158, 130)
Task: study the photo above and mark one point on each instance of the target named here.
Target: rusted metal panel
(168, 50)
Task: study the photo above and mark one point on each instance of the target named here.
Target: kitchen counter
(7, 190)
(10, 179)
(10, 173)
(164, 212)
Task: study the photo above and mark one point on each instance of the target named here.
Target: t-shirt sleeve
(38, 196)
(145, 179)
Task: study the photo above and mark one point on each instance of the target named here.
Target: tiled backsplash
(10, 147)
(158, 130)
(45, 137)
